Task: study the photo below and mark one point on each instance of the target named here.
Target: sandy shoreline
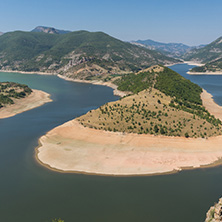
(193, 63)
(24, 72)
(74, 148)
(116, 92)
(35, 99)
(204, 73)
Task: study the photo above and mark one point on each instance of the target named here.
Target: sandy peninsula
(193, 63)
(72, 147)
(35, 99)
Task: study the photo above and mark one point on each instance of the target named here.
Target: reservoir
(32, 193)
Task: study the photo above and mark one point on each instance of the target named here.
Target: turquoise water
(32, 193)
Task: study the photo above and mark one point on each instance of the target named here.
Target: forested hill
(79, 54)
(161, 102)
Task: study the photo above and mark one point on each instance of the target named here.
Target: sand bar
(204, 73)
(194, 63)
(24, 72)
(35, 99)
(74, 148)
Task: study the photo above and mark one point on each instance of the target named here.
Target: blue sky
(191, 22)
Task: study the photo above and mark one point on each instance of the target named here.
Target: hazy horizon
(188, 22)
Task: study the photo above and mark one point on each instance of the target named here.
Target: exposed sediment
(74, 148)
(35, 99)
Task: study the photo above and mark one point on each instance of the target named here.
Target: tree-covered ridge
(173, 84)
(79, 54)
(184, 94)
(149, 112)
(167, 81)
(135, 83)
(10, 91)
(215, 66)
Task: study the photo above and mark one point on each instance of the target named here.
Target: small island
(16, 98)
(163, 125)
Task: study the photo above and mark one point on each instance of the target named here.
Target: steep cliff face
(215, 213)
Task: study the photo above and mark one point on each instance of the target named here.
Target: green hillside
(207, 54)
(161, 103)
(185, 94)
(81, 54)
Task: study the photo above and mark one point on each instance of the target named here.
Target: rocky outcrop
(49, 30)
(215, 213)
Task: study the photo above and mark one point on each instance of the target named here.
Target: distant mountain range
(1, 33)
(49, 30)
(170, 49)
(80, 54)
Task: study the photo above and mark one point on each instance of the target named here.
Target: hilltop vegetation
(81, 54)
(162, 103)
(10, 91)
(167, 81)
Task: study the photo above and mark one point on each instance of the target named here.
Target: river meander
(32, 193)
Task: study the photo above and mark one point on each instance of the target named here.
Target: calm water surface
(31, 193)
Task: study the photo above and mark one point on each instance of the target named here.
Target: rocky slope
(49, 30)
(215, 213)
